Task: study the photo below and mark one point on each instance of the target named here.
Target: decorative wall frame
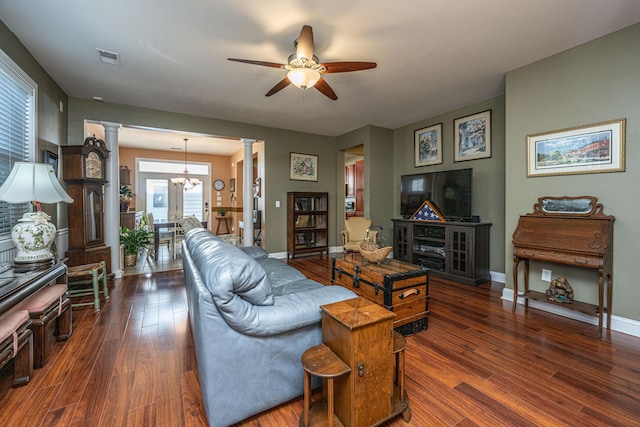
(232, 185)
(51, 158)
(594, 148)
(428, 146)
(303, 167)
(472, 137)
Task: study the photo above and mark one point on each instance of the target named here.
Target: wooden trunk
(395, 285)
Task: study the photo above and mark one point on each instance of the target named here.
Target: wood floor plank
(477, 364)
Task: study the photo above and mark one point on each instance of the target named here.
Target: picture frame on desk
(594, 148)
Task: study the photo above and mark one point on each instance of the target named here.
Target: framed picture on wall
(428, 146)
(303, 167)
(472, 137)
(593, 148)
(51, 158)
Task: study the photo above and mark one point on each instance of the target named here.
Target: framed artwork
(428, 145)
(303, 167)
(51, 158)
(594, 148)
(472, 137)
(232, 185)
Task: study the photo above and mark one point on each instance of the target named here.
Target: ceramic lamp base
(33, 236)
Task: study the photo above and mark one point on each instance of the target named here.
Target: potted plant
(126, 195)
(222, 212)
(133, 241)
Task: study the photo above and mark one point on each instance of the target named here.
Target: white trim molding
(618, 323)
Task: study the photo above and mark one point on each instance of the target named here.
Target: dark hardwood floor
(476, 365)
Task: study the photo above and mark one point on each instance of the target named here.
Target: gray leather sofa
(252, 317)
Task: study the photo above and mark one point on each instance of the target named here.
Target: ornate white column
(247, 193)
(112, 197)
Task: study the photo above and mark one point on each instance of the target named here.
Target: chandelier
(185, 182)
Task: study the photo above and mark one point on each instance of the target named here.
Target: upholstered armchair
(355, 231)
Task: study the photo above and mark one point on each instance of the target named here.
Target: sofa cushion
(279, 272)
(255, 251)
(227, 271)
(295, 287)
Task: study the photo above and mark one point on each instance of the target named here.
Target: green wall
(595, 82)
(51, 127)
(378, 175)
(488, 174)
(278, 143)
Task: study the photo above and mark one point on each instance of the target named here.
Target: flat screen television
(448, 191)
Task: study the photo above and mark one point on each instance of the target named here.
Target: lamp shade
(303, 77)
(33, 182)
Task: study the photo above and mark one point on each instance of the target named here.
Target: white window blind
(17, 132)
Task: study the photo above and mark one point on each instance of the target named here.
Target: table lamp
(33, 234)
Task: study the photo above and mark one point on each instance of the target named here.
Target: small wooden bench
(16, 342)
(49, 304)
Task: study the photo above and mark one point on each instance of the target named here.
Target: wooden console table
(567, 230)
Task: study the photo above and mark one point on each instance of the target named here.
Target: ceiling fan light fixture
(304, 78)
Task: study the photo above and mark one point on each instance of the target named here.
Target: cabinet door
(402, 242)
(350, 180)
(460, 244)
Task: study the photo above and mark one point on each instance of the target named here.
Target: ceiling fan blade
(278, 87)
(324, 87)
(304, 45)
(344, 67)
(264, 64)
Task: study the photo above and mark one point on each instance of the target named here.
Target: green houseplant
(133, 241)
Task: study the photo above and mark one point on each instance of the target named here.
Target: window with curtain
(17, 132)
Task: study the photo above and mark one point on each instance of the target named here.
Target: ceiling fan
(305, 70)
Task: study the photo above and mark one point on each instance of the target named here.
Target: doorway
(166, 201)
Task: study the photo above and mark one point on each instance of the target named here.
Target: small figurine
(560, 291)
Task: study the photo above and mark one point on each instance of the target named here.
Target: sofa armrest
(288, 312)
(345, 236)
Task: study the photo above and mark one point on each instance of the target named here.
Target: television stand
(456, 251)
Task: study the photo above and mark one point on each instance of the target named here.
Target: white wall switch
(277, 203)
(546, 275)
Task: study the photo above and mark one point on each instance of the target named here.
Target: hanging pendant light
(184, 181)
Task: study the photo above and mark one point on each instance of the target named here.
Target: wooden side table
(320, 361)
(223, 220)
(359, 332)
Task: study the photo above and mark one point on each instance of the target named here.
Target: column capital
(111, 126)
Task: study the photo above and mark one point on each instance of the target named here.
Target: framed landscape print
(594, 148)
(303, 167)
(472, 137)
(428, 145)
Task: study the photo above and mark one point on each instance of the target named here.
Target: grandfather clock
(85, 175)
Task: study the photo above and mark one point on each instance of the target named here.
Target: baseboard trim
(618, 323)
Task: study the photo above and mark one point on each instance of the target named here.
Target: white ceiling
(433, 55)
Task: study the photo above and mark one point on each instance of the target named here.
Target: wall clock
(218, 184)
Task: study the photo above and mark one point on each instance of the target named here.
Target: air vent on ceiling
(108, 57)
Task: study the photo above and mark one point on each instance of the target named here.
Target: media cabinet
(452, 250)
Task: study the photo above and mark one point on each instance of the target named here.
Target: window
(17, 132)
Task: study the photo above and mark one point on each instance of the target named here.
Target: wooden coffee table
(395, 285)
